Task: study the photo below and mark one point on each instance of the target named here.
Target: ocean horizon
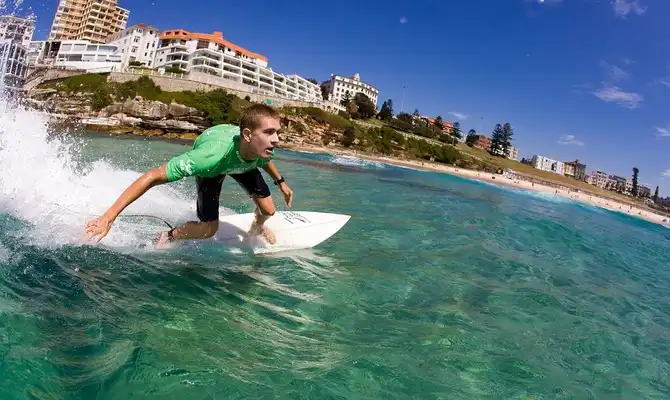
(439, 287)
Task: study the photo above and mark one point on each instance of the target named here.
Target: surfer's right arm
(193, 162)
(98, 228)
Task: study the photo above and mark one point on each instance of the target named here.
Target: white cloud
(614, 94)
(458, 115)
(663, 132)
(666, 173)
(403, 20)
(613, 73)
(624, 7)
(570, 139)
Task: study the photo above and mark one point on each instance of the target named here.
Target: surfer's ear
(246, 134)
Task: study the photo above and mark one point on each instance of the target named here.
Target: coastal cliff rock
(154, 118)
(137, 116)
(300, 130)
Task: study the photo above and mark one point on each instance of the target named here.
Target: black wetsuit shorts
(209, 190)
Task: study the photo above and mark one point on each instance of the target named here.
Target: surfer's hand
(288, 193)
(98, 228)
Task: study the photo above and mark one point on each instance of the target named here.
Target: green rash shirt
(216, 151)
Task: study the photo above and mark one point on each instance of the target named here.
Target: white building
(75, 54)
(211, 54)
(547, 164)
(599, 178)
(512, 153)
(17, 29)
(339, 85)
(13, 64)
(136, 44)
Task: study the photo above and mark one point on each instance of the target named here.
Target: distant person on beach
(219, 151)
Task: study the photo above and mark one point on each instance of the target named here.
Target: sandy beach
(583, 197)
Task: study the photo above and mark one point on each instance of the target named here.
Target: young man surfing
(219, 151)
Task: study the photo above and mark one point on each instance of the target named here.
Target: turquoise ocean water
(437, 288)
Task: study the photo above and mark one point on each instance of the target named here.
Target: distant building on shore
(643, 191)
(446, 126)
(17, 29)
(210, 58)
(482, 142)
(13, 64)
(575, 170)
(599, 178)
(339, 85)
(548, 164)
(89, 20)
(136, 44)
(15, 36)
(513, 153)
(75, 55)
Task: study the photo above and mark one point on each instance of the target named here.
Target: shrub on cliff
(84, 83)
(336, 122)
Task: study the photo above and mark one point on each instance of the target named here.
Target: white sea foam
(355, 161)
(42, 185)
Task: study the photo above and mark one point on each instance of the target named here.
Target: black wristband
(281, 180)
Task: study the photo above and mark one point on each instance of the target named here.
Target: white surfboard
(293, 230)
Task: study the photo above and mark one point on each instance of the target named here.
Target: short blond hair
(251, 117)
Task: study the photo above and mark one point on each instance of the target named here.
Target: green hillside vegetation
(219, 106)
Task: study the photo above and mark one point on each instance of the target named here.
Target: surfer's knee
(266, 206)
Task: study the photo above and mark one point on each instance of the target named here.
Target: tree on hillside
(325, 89)
(349, 136)
(471, 138)
(404, 117)
(366, 108)
(496, 140)
(636, 189)
(346, 99)
(438, 123)
(314, 81)
(456, 130)
(386, 112)
(416, 114)
(655, 198)
(508, 132)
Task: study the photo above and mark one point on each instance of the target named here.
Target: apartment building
(136, 44)
(212, 54)
(13, 64)
(75, 54)
(512, 153)
(548, 164)
(575, 170)
(339, 85)
(90, 20)
(482, 142)
(599, 178)
(18, 29)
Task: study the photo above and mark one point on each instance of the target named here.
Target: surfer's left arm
(271, 169)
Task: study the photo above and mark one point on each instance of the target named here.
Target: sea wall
(199, 81)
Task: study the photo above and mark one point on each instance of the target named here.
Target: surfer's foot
(265, 232)
(164, 242)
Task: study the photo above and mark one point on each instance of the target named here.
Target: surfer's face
(265, 138)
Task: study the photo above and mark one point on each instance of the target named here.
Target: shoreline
(500, 180)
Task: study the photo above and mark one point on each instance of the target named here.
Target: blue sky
(587, 79)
